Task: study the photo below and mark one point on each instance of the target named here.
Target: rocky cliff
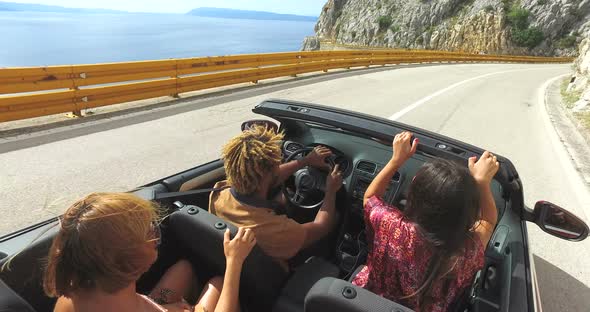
(536, 27)
(582, 77)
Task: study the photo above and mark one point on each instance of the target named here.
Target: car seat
(202, 233)
(11, 301)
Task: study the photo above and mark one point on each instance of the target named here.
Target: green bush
(528, 37)
(353, 33)
(507, 4)
(542, 2)
(577, 13)
(518, 17)
(384, 22)
(569, 98)
(522, 34)
(394, 28)
(567, 42)
(489, 8)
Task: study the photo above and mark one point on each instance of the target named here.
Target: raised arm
(483, 171)
(236, 252)
(326, 217)
(403, 149)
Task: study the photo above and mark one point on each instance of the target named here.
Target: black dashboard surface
(363, 154)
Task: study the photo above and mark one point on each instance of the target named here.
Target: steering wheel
(310, 183)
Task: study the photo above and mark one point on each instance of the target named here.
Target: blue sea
(36, 39)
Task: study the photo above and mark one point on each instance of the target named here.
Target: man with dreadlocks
(253, 168)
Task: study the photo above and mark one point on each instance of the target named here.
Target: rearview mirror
(247, 125)
(559, 222)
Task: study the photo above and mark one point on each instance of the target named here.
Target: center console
(352, 249)
(363, 174)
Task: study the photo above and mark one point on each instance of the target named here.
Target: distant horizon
(308, 8)
(110, 38)
(255, 11)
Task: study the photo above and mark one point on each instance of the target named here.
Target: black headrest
(202, 233)
(11, 301)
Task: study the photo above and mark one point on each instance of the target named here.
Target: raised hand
(317, 157)
(484, 169)
(334, 180)
(239, 248)
(403, 147)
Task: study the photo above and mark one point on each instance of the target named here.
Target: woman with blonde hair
(108, 240)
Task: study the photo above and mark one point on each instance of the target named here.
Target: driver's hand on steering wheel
(334, 180)
(317, 157)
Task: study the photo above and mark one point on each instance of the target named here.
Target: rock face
(454, 25)
(311, 43)
(582, 74)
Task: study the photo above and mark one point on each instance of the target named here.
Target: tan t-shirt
(277, 235)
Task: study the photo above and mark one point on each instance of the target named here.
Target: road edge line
(563, 153)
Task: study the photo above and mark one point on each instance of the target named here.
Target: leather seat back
(202, 232)
(330, 294)
(11, 301)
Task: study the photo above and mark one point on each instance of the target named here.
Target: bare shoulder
(64, 304)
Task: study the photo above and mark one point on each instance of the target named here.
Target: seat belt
(278, 209)
(187, 193)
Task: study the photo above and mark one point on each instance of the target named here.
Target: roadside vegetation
(384, 22)
(571, 97)
(522, 33)
(567, 41)
(585, 119)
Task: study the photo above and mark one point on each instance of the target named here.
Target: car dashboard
(360, 159)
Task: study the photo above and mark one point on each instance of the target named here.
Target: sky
(301, 7)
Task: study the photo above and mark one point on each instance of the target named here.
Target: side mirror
(559, 222)
(247, 125)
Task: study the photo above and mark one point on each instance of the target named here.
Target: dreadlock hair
(250, 157)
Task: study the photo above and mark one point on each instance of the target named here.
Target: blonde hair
(101, 244)
(250, 157)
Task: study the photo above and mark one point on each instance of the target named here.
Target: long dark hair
(443, 201)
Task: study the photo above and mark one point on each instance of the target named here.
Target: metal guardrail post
(76, 113)
(257, 66)
(298, 62)
(176, 95)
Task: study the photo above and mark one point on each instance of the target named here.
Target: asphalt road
(495, 106)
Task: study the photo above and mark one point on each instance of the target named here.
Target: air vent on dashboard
(366, 166)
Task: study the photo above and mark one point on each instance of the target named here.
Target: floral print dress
(399, 256)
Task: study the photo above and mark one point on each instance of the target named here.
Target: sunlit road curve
(494, 106)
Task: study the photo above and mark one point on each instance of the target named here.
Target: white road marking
(575, 179)
(423, 100)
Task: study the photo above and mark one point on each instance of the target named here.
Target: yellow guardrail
(39, 91)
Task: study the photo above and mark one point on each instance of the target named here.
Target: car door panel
(503, 283)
